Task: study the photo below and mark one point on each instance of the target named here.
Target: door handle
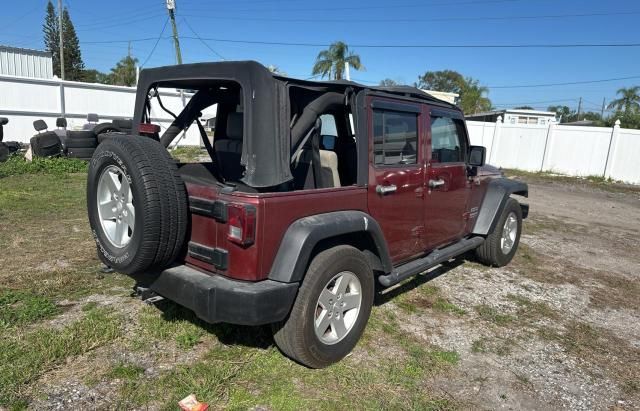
(384, 190)
(436, 183)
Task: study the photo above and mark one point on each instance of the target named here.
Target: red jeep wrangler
(314, 194)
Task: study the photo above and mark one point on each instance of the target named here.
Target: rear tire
(318, 331)
(501, 245)
(152, 232)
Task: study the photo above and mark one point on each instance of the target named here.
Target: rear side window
(395, 137)
(447, 140)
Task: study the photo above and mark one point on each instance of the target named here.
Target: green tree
(629, 100)
(448, 81)
(124, 73)
(563, 113)
(331, 62)
(52, 37)
(473, 96)
(95, 76)
(389, 83)
(73, 64)
(524, 108)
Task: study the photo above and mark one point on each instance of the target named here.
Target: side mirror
(477, 155)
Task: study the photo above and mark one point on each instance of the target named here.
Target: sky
(220, 29)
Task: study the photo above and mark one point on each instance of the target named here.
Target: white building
(516, 116)
(25, 63)
(443, 95)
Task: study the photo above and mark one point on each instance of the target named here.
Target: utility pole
(347, 71)
(604, 99)
(579, 109)
(171, 7)
(61, 40)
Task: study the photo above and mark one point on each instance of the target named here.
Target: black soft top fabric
(266, 148)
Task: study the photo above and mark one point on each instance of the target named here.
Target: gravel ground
(557, 328)
(574, 340)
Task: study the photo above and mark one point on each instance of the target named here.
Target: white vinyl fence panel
(24, 100)
(579, 151)
(623, 160)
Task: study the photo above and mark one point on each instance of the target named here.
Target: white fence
(24, 100)
(579, 151)
(610, 152)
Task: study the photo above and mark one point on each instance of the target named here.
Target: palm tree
(629, 99)
(331, 62)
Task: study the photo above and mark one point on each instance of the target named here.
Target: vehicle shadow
(262, 336)
(385, 295)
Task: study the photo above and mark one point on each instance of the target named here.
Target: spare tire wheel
(137, 204)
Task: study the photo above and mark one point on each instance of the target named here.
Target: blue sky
(324, 22)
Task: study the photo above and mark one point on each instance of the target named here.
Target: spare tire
(81, 143)
(4, 152)
(80, 153)
(105, 128)
(109, 134)
(137, 204)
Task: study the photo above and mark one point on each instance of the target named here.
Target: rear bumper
(215, 298)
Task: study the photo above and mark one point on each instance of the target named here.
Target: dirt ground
(556, 329)
(559, 327)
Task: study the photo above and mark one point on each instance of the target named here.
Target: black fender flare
(304, 234)
(498, 192)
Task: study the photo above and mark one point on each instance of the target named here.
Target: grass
(427, 297)
(17, 165)
(595, 181)
(492, 315)
(18, 308)
(189, 154)
(25, 356)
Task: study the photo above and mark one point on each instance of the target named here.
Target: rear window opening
(209, 118)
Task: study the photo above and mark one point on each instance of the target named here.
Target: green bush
(16, 164)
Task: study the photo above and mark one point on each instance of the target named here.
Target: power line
(360, 8)
(402, 46)
(201, 40)
(566, 83)
(156, 44)
(409, 20)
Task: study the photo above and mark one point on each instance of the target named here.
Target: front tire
(331, 310)
(501, 245)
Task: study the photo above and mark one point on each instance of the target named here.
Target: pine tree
(73, 64)
(51, 37)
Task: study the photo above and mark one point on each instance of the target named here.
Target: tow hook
(146, 295)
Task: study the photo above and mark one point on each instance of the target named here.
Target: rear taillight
(148, 128)
(242, 224)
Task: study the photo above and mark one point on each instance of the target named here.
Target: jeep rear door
(447, 185)
(396, 174)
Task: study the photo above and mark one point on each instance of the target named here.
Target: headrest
(61, 122)
(92, 118)
(234, 126)
(40, 125)
(3, 121)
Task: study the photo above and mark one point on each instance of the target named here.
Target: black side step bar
(436, 257)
